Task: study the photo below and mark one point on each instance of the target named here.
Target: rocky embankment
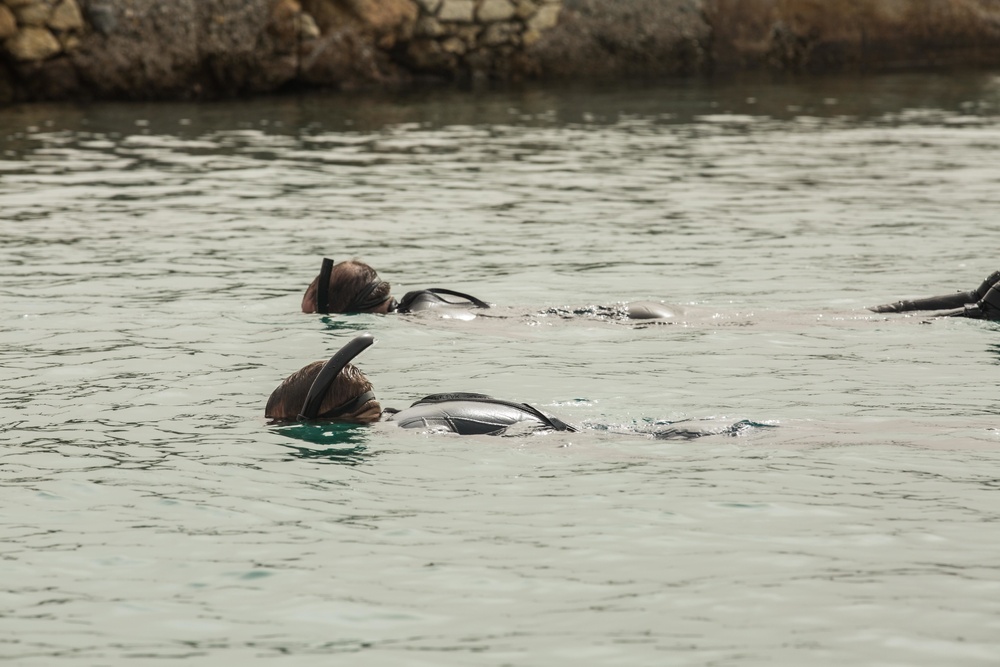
(97, 49)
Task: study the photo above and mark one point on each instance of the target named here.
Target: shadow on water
(343, 444)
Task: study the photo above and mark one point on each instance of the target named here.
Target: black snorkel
(329, 373)
(323, 287)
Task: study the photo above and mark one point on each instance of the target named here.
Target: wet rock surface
(149, 49)
(825, 35)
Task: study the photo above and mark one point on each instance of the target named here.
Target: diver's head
(331, 390)
(349, 287)
(348, 398)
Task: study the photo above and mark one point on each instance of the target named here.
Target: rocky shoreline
(192, 49)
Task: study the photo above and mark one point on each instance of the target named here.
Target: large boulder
(597, 38)
(32, 43)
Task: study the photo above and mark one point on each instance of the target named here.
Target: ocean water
(152, 261)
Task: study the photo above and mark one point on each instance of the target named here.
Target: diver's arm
(945, 302)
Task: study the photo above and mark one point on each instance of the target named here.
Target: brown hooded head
(353, 287)
(287, 400)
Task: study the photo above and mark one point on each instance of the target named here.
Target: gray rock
(526, 9)
(35, 14)
(307, 27)
(495, 10)
(545, 18)
(600, 39)
(66, 16)
(457, 11)
(428, 26)
(453, 45)
(500, 33)
(33, 43)
(102, 16)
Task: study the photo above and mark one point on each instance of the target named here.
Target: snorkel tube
(329, 373)
(323, 287)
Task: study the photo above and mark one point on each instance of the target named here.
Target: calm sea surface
(152, 260)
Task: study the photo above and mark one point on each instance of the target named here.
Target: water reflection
(343, 444)
(304, 117)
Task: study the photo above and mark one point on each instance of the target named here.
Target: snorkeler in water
(354, 287)
(982, 303)
(336, 391)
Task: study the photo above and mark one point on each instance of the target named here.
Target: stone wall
(78, 49)
(825, 35)
(477, 39)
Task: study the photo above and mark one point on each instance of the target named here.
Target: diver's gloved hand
(956, 300)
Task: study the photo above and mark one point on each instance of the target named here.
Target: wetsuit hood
(363, 301)
(328, 374)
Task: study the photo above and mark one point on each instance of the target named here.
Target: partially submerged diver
(354, 287)
(336, 391)
(982, 303)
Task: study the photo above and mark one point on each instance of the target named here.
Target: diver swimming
(354, 287)
(337, 391)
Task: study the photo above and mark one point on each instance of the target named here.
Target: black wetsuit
(982, 303)
(473, 414)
